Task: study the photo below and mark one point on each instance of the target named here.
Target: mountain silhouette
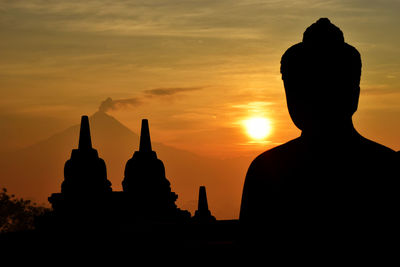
(37, 171)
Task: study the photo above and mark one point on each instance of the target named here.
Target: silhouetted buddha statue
(145, 181)
(330, 179)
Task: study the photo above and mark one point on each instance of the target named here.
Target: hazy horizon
(196, 70)
(203, 73)
(36, 172)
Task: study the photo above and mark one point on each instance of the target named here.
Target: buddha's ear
(354, 101)
(294, 106)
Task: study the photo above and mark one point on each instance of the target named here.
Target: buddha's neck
(335, 130)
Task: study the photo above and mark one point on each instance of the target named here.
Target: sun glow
(258, 128)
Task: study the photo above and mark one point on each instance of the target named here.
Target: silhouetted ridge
(85, 141)
(145, 142)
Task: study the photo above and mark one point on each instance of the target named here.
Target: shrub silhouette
(17, 214)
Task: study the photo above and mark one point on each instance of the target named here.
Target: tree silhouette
(17, 214)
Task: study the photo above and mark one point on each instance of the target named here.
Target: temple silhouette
(87, 199)
(330, 188)
(202, 213)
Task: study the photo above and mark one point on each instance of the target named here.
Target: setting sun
(258, 128)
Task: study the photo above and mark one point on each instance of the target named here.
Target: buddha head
(321, 76)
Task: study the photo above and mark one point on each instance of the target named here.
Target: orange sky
(195, 69)
(216, 63)
(62, 59)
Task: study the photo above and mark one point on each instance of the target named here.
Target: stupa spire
(144, 179)
(85, 141)
(203, 204)
(203, 214)
(145, 142)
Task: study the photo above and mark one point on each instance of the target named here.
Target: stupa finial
(145, 142)
(203, 204)
(85, 141)
(203, 214)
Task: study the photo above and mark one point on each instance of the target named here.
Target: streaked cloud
(110, 104)
(133, 18)
(380, 90)
(170, 91)
(71, 55)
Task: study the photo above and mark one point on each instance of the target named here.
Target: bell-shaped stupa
(146, 184)
(85, 191)
(85, 172)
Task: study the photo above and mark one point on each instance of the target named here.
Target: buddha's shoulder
(369, 146)
(374, 154)
(279, 154)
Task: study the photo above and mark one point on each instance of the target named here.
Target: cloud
(378, 90)
(110, 104)
(170, 91)
(133, 18)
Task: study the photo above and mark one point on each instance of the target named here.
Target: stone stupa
(146, 187)
(85, 177)
(87, 200)
(203, 214)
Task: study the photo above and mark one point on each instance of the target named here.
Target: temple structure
(86, 194)
(144, 213)
(85, 172)
(85, 189)
(146, 185)
(203, 214)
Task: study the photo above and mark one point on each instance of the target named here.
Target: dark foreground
(191, 243)
(127, 242)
